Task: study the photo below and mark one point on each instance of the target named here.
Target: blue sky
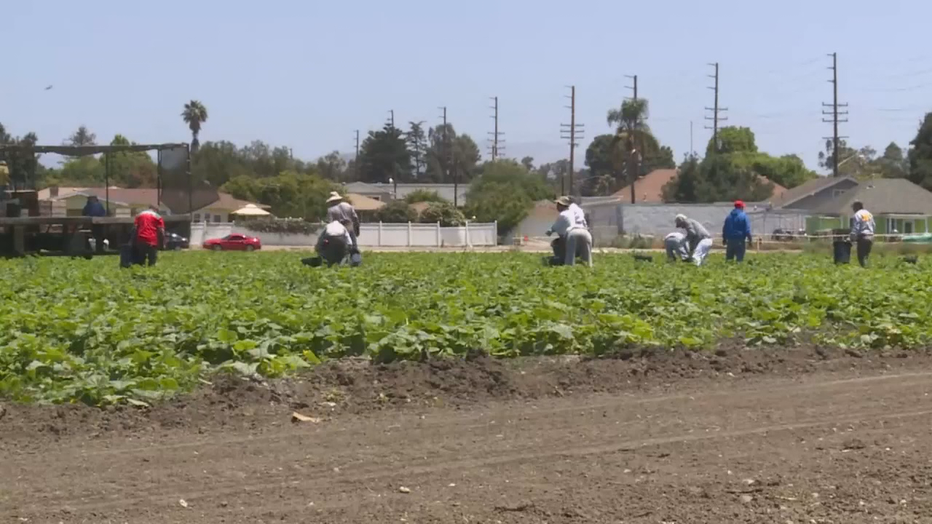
(306, 74)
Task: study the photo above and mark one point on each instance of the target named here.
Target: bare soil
(742, 435)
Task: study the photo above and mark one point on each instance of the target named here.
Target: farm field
(799, 392)
(75, 330)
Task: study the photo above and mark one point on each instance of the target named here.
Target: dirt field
(801, 436)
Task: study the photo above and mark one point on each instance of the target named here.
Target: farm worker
(579, 216)
(862, 232)
(340, 211)
(148, 236)
(93, 208)
(736, 231)
(574, 238)
(698, 240)
(675, 244)
(334, 243)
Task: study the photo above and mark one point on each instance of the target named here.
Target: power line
(834, 113)
(715, 118)
(571, 132)
(496, 143)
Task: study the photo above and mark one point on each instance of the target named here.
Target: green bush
(294, 226)
(396, 212)
(443, 212)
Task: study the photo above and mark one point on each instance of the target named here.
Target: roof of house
(882, 196)
(46, 194)
(649, 188)
(145, 196)
(807, 189)
(402, 189)
(364, 203)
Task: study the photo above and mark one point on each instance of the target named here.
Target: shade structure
(251, 210)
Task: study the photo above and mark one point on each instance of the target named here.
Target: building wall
(211, 215)
(370, 235)
(823, 196)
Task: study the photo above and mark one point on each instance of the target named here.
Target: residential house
(649, 188)
(814, 193)
(365, 207)
(130, 201)
(898, 205)
(388, 192)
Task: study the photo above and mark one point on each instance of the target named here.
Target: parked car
(234, 242)
(176, 242)
(785, 235)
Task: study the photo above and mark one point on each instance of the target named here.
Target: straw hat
(563, 201)
(334, 197)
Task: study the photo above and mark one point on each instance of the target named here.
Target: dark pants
(865, 244)
(332, 249)
(145, 253)
(735, 249)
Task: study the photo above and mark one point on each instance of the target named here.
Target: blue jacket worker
(736, 232)
(93, 208)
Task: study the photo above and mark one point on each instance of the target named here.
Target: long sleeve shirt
(737, 226)
(565, 221)
(863, 225)
(579, 216)
(695, 233)
(343, 213)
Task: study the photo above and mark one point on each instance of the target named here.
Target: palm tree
(194, 115)
(633, 139)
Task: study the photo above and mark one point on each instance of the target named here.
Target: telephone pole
(451, 169)
(571, 132)
(835, 113)
(634, 86)
(715, 118)
(356, 158)
(496, 143)
(391, 118)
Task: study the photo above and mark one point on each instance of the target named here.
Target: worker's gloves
(549, 232)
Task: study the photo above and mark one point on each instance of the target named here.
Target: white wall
(427, 235)
(370, 235)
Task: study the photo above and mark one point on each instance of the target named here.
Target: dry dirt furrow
(752, 451)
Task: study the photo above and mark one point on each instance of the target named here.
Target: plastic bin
(842, 249)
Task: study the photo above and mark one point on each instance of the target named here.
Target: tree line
(732, 167)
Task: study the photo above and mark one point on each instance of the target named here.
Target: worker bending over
(736, 231)
(698, 239)
(334, 243)
(675, 244)
(862, 232)
(341, 211)
(574, 237)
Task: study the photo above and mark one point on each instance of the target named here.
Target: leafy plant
(86, 331)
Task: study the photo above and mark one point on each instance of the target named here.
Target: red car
(234, 242)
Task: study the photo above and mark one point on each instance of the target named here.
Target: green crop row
(76, 330)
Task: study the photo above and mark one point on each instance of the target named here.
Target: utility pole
(571, 132)
(634, 86)
(391, 118)
(834, 114)
(496, 143)
(691, 150)
(356, 158)
(715, 118)
(449, 152)
(634, 156)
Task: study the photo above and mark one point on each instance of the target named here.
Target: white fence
(370, 235)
